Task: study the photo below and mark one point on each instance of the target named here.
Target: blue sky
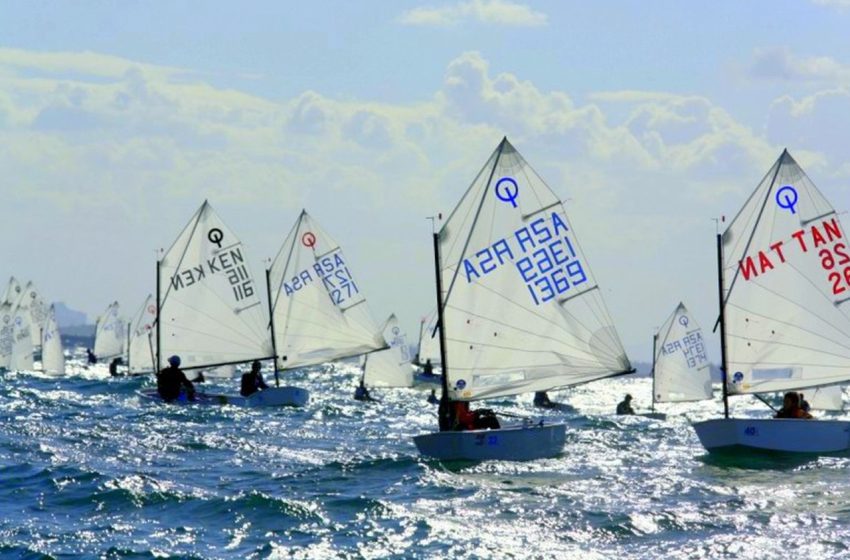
(650, 118)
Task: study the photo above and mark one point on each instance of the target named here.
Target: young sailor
(252, 381)
(791, 407)
(361, 393)
(170, 380)
(625, 407)
(541, 400)
(432, 398)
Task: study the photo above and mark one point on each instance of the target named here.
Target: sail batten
(511, 263)
(785, 327)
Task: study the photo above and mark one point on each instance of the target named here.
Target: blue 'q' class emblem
(738, 377)
(460, 384)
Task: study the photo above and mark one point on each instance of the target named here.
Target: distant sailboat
(52, 354)
(6, 335)
(784, 285)
(429, 351)
(12, 292)
(141, 350)
(208, 309)
(22, 346)
(519, 309)
(390, 367)
(680, 370)
(829, 398)
(318, 312)
(110, 334)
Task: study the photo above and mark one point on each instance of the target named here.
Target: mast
(271, 325)
(654, 343)
(723, 361)
(444, 399)
(129, 326)
(158, 316)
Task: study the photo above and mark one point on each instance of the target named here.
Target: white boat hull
(517, 443)
(780, 434)
(273, 396)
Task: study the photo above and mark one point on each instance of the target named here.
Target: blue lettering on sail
(334, 275)
(543, 253)
(691, 346)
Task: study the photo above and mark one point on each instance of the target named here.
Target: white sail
(681, 365)
(22, 347)
(826, 398)
(522, 309)
(390, 367)
(210, 311)
(38, 313)
(786, 276)
(13, 291)
(110, 334)
(52, 355)
(319, 311)
(142, 342)
(429, 340)
(6, 334)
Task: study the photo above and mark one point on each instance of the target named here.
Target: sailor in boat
(252, 381)
(541, 400)
(466, 419)
(804, 404)
(92, 359)
(432, 398)
(171, 380)
(625, 407)
(113, 366)
(361, 393)
(791, 407)
(428, 369)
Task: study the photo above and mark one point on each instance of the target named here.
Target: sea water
(90, 470)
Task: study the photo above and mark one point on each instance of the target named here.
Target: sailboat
(519, 310)
(429, 350)
(784, 291)
(390, 367)
(109, 337)
(22, 345)
(140, 345)
(52, 354)
(208, 309)
(7, 326)
(318, 311)
(680, 367)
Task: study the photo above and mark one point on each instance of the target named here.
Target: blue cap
(174, 361)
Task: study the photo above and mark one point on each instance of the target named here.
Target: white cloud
(133, 155)
(781, 64)
(496, 12)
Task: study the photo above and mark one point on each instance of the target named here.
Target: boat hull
(273, 396)
(428, 381)
(518, 443)
(785, 435)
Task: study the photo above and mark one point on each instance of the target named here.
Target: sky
(649, 119)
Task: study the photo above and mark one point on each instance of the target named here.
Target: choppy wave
(91, 470)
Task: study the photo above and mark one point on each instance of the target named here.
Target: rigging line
(475, 219)
(779, 165)
(294, 234)
(197, 220)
